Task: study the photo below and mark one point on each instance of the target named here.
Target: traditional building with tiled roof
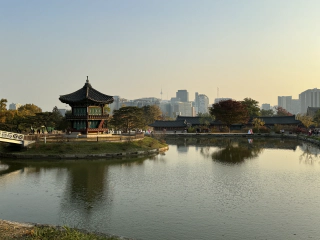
(183, 122)
(87, 109)
(280, 120)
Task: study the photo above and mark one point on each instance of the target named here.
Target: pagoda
(87, 109)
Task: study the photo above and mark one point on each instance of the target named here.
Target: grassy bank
(146, 143)
(51, 233)
(14, 230)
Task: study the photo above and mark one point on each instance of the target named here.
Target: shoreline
(18, 230)
(140, 153)
(84, 156)
(245, 135)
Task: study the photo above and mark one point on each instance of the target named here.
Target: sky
(259, 49)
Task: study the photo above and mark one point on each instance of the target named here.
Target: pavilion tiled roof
(86, 93)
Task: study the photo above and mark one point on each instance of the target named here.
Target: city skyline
(255, 49)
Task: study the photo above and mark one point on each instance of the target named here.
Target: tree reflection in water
(310, 154)
(237, 153)
(237, 150)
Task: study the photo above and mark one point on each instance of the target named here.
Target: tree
(316, 118)
(205, 119)
(3, 110)
(46, 119)
(307, 121)
(29, 109)
(282, 112)
(266, 113)
(128, 118)
(257, 122)
(251, 106)
(230, 112)
(3, 104)
(106, 109)
(151, 113)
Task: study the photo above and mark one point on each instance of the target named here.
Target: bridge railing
(11, 136)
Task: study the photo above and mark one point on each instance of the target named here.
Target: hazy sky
(132, 48)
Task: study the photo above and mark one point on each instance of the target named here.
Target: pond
(199, 189)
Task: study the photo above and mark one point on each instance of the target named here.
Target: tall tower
(183, 95)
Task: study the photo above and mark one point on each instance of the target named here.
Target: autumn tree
(127, 118)
(257, 123)
(230, 112)
(307, 121)
(252, 107)
(280, 111)
(3, 104)
(29, 109)
(3, 110)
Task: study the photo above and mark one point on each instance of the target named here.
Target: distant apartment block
(183, 95)
(117, 103)
(201, 103)
(183, 109)
(14, 106)
(265, 106)
(295, 106)
(166, 108)
(309, 98)
(291, 105)
(285, 102)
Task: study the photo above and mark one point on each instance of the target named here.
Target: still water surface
(200, 189)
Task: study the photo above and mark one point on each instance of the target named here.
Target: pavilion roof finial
(87, 79)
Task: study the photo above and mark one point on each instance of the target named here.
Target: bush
(262, 129)
(191, 130)
(224, 129)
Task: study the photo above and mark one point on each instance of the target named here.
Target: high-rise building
(117, 103)
(309, 98)
(183, 95)
(14, 106)
(201, 103)
(183, 109)
(295, 106)
(203, 106)
(285, 102)
(291, 105)
(265, 106)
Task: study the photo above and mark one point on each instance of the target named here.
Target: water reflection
(310, 155)
(85, 190)
(210, 189)
(236, 154)
(232, 150)
(9, 168)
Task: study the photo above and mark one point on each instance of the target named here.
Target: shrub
(262, 129)
(191, 130)
(224, 129)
